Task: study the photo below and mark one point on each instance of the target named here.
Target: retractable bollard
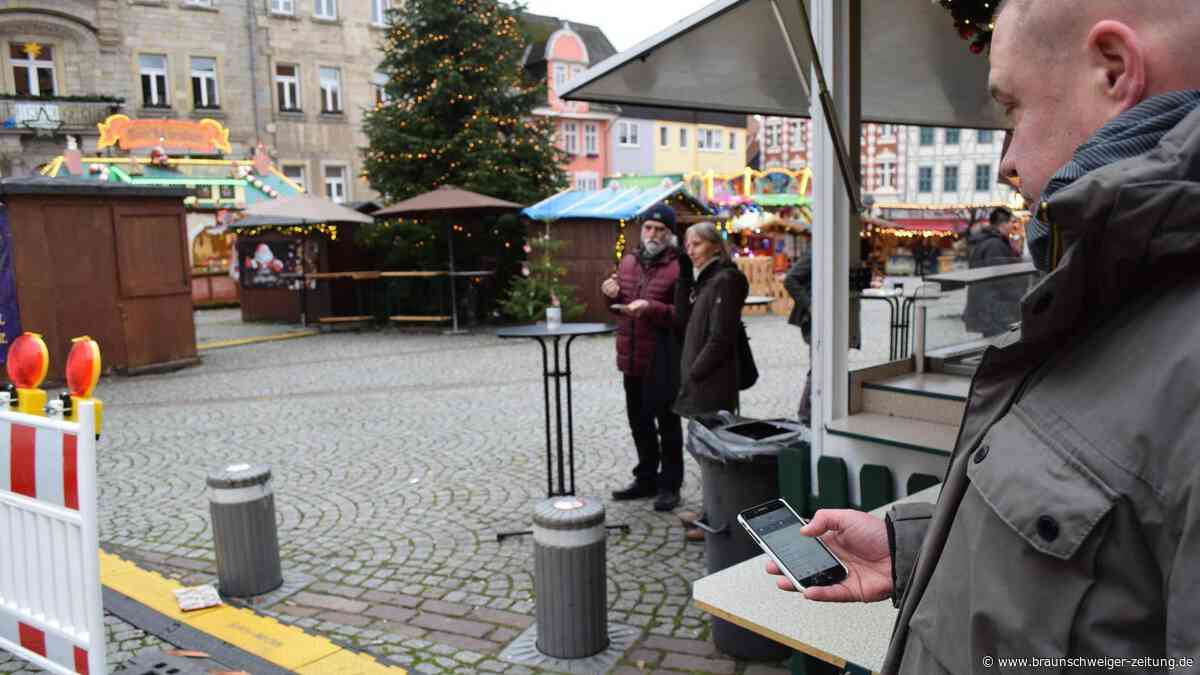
(242, 506)
(569, 544)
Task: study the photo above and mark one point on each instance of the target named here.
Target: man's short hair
(1000, 215)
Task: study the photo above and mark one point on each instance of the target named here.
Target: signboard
(10, 318)
(205, 135)
(269, 264)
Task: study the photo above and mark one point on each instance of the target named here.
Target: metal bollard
(570, 577)
(242, 506)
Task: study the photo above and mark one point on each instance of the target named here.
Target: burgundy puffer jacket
(654, 283)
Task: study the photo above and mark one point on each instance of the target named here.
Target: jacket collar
(1124, 226)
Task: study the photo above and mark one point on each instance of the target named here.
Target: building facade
(295, 75)
(953, 166)
(785, 142)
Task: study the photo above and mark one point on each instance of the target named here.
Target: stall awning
(611, 203)
(731, 57)
(929, 225)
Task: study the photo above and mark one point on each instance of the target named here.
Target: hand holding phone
(617, 308)
(805, 561)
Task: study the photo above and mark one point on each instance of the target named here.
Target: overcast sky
(625, 22)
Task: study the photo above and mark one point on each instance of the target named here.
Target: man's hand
(635, 308)
(860, 540)
(610, 288)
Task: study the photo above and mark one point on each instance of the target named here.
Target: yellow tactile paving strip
(285, 646)
(237, 342)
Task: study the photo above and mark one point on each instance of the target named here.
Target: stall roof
(44, 185)
(611, 203)
(732, 56)
(179, 173)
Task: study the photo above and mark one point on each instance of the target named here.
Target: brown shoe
(686, 518)
(694, 534)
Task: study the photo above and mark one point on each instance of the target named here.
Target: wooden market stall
(597, 225)
(109, 260)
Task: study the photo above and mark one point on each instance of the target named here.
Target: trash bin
(242, 506)
(739, 468)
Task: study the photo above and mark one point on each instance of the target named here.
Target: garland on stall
(972, 20)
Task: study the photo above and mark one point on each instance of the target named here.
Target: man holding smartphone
(641, 294)
(1069, 521)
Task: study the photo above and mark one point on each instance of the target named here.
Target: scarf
(1134, 132)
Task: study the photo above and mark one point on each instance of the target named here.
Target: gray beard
(654, 247)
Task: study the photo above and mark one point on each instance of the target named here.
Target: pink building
(583, 129)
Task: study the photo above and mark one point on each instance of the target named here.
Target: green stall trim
(920, 481)
(875, 482)
(833, 484)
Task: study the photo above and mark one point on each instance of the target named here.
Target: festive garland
(973, 20)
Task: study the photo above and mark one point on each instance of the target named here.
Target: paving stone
(647, 656)
(345, 619)
(329, 602)
(502, 617)
(464, 642)
(389, 613)
(690, 663)
(295, 611)
(504, 635)
(694, 647)
(336, 589)
(389, 598)
(448, 608)
(438, 622)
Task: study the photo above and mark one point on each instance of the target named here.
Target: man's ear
(1119, 62)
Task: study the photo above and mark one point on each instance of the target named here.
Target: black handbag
(746, 369)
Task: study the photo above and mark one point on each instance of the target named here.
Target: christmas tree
(457, 111)
(540, 285)
(973, 19)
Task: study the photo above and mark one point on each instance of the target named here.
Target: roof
(646, 112)
(44, 185)
(540, 27)
(446, 199)
(611, 203)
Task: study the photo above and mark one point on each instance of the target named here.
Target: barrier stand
(51, 612)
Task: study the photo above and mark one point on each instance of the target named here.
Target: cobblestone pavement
(397, 458)
(214, 325)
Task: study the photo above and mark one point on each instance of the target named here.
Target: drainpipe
(253, 69)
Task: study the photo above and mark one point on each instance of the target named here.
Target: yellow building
(656, 141)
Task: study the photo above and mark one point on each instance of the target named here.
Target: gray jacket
(1069, 521)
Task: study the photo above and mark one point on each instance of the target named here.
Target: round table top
(540, 330)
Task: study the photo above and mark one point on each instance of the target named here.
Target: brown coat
(1069, 522)
(710, 311)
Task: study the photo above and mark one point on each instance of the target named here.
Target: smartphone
(775, 526)
(617, 308)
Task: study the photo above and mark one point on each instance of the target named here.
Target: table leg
(570, 418)
(546, 407)
(562, 488)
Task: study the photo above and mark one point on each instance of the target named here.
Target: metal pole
(919, 338)
(546, 401)
(562, 488)
(570, 419)
(453, 292)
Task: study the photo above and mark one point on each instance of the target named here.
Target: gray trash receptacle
(739, 468)
(242, 506)
(570, 577)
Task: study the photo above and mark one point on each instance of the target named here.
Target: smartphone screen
(806, 559)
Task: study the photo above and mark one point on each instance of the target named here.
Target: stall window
(331, 91)
(325, 9)
(287, 86)
(926, 135)
(983, 177)
(283, 7)
(589, 139)
(925, 179)
(570, 138)
(204, 82)
(33, 69)
(335, 183)
(379, 10)
(153, 68)
(683, 138)
(295, 173)
(952, 136)
(227, 192)
(627, 134)
(950, 179)
(985, 136)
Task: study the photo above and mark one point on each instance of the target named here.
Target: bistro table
(851, 636)
(565, 453)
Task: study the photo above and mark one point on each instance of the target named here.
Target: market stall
(185, 154)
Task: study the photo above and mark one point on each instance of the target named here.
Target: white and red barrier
(51, 612)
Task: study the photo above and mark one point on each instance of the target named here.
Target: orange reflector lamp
(83, 367)
(28, 361)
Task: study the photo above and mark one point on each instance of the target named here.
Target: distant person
(798, 284)
(647, 355)
(993, 306)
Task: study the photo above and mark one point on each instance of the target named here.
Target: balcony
(54, 114)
